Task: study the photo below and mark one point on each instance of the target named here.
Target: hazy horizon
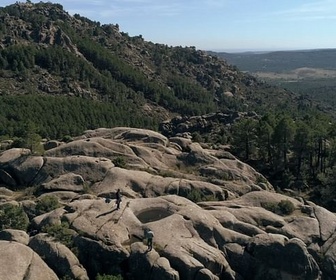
(267, 50)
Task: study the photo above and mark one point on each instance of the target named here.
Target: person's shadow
(106, 213)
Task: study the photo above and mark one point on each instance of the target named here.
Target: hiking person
(118, 199)
(149, 236)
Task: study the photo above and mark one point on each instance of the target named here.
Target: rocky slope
(213, 216)
(44, 26)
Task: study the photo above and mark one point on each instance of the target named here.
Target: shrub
(46, 204)
(109, 277)
(86, 188)
(13, 217)
(195, 195)
(61, 233)
(19, 143)
(32, 142)
(66, 277)
(166, 173)
(67, 139)
(261, 179)
(270, 206)
(27, 193)
(286, 207)
(119, 162)
(196, 137)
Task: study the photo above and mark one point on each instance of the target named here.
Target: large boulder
(277, 256)
(5, 193)
(135, 183)
(90, 168)
(127, 134)
(58, 257)
(18, 168)
(19, 262)
(328, 251)
(149, 265)
(65, 182)
(19, 236)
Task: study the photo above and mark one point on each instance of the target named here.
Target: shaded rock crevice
(27, 272)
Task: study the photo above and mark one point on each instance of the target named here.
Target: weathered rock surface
(19, 236)
(19, 262)
(58, 257)
(236, 231)
(285, 257)
(68, 182)
(197, 238)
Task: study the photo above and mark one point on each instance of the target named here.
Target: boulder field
(213, 216)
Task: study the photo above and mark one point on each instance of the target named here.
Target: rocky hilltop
(213, 216)
(45, 50)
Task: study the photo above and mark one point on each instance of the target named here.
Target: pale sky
(226, 25)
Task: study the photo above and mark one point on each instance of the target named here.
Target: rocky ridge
(213, 216)
(42, 26)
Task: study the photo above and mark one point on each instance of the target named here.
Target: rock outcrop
(58, 257)
(20, 262)
(213, 216)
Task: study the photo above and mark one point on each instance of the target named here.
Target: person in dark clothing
(149, 236)
(118, 198)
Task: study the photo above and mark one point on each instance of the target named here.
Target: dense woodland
(294, 153)
(292, 142)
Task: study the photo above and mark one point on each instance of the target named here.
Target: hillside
(310, 72)
(45, 51)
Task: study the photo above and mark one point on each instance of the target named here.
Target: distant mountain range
(280, 61)
(308, 72)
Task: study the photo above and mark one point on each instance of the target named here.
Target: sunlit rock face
(213, 216)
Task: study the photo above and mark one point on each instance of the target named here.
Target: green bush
(13, 217)
(66, 277)
(195, 195)
(61, 233)
(270, 206)
(67, 138)
(108, 277)
(261, 179)
(196, 137)
(27, 193)
(119, 162)
(46, 204)
(19, 142)
(286, 207)
(31, 141)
